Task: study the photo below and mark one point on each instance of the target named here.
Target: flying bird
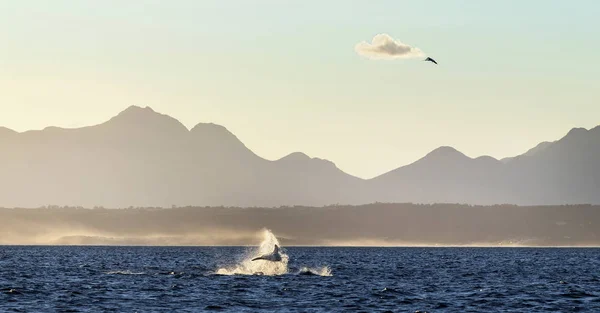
(430, 60)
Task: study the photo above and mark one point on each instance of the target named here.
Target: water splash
(259, 267)
(320, 271)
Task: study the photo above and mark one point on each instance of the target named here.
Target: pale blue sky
(284, 76)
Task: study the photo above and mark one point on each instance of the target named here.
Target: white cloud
(384, 47)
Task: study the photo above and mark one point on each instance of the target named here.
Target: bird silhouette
(430, 60)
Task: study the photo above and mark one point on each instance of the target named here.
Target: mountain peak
(148, 119)
(214, 132)
(443, 155)
(295, 156)
(486, 158)
(445, 152)
(218, 138)
(575, 136)
(134, 111)
(576, 131)
(212, 127)
(137, 108)
(5, 130)
(303, 162)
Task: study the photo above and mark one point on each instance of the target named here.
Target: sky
(284, 76)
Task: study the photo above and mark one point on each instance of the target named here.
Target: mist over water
(379, 224)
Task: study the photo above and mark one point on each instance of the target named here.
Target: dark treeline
(374, 224)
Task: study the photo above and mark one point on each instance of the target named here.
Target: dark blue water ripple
(182, 279)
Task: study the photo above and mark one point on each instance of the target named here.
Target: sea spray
(260, 267)
(318, 271)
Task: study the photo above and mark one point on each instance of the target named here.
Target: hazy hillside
(375, 224)
(143, 158)
(566, 171)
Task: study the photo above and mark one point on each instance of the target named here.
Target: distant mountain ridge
(144, 158)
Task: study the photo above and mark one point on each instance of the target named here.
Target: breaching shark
(273, 256)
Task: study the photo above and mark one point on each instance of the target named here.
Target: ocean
(309, 279)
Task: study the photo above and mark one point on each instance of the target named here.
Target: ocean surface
(321, 279)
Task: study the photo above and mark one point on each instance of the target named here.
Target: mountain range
(144, 158)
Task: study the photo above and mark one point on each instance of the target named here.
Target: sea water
(319, 279)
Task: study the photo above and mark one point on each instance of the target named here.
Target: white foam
(259, 267)
(320, 271)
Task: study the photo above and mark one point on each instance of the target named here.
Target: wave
(321, 271)
(124, 273)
